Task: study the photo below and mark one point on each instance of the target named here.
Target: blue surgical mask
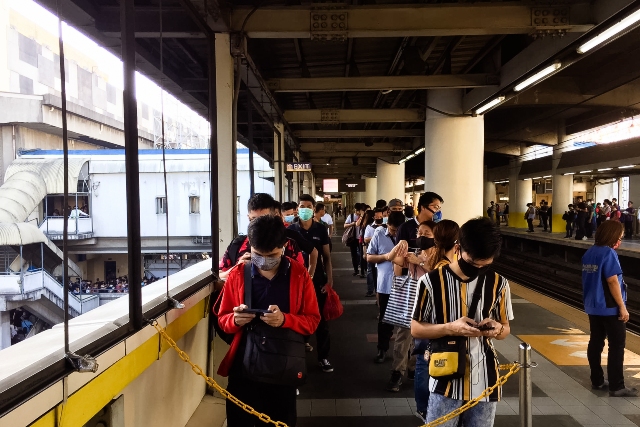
(305, 214)
(289, 219)
(437, 217)
(385, 219)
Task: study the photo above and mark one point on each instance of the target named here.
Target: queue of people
(285, 259)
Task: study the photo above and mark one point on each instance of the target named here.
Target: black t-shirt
(408, 231)
(304, 245)
(317, 235)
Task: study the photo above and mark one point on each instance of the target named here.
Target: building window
(194, 204)
(161, 205)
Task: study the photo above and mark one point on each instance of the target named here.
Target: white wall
(108, 204)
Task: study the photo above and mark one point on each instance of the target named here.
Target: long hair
(445, 235)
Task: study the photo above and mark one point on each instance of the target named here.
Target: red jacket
(303, 317)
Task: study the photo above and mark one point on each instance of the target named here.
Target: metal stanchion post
(526, 418)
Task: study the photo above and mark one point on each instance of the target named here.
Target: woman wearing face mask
(605, 301)
(284, 289)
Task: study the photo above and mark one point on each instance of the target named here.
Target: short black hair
(427, 198)
(379, 210)
(359, 206)
(480, 239)
(381, 204)
(396, 219)
(307, 198)
(266, 233)
(277, 206)
(260, 201)
(289, 205)
(319, 207)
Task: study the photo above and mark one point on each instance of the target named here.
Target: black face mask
(378, 221)
(471, 271)
(425, 243)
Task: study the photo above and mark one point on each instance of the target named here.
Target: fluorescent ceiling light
(604, 169)
(420, 151)
(538, 76)
(569, 173)
(547, 176)
(401, 161)
(610, 32)
(626, 167)
(527, 179)
(490, 105)
(585, 171)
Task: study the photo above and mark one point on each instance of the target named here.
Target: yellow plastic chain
(513, 368)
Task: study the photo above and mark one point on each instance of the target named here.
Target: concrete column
(5, 330)
(517, 209)
(634, 190)
(278, 164)
(454, 156)
(489, 193)
(390, 181)
(371, 191)
(312, 190)
(562, 186)
(360, 197)
(226, 144)
(562, 196)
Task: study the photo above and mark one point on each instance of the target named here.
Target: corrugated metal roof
(51, 171)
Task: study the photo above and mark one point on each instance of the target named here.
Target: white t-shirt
(327, 219)
(354, 216)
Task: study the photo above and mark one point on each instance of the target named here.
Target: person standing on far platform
(529, 216)
(505, 213)
(605, 301)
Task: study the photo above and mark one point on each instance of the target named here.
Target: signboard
(352, 185)
(330, 185)
(298, 167)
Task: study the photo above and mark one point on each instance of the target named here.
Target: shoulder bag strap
(247, 284)
(477, 292)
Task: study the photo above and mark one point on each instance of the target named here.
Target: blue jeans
(481, 415)
(421, 383)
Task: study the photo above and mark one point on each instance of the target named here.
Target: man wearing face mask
(378, 252)
(316, 233)
(289, 213)
(444, 297)
(372, 271)
(429, 209)
(283, 288)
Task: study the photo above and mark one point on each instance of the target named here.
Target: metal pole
(127, 25)
(252, 188)
(526, 418)
(213, 147)
(65, 213)
(21, 273)
(279, 167)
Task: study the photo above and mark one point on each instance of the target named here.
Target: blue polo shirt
(598, 264)
(381, 243)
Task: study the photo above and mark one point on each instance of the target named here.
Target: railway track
(558, 285)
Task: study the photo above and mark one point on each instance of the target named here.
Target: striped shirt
(442, 298)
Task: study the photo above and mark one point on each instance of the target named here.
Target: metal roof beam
(337, 116)
(176, 23)
(328, 84)
(360, 133)
(336, 148)
(417, 20)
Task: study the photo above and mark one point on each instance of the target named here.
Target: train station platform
(354, 394)
(629, 247)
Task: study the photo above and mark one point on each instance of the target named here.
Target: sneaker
(369, 294)
(380, 357)
(395, 382)
(411, 375)
(297, 392)
(624, 392)
(308, 347)
(603, 386)
(355, 273)
(422, 415)
(584, 238)
(325, 365)
(362, 276)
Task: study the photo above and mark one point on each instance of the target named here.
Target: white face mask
(266, 263)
